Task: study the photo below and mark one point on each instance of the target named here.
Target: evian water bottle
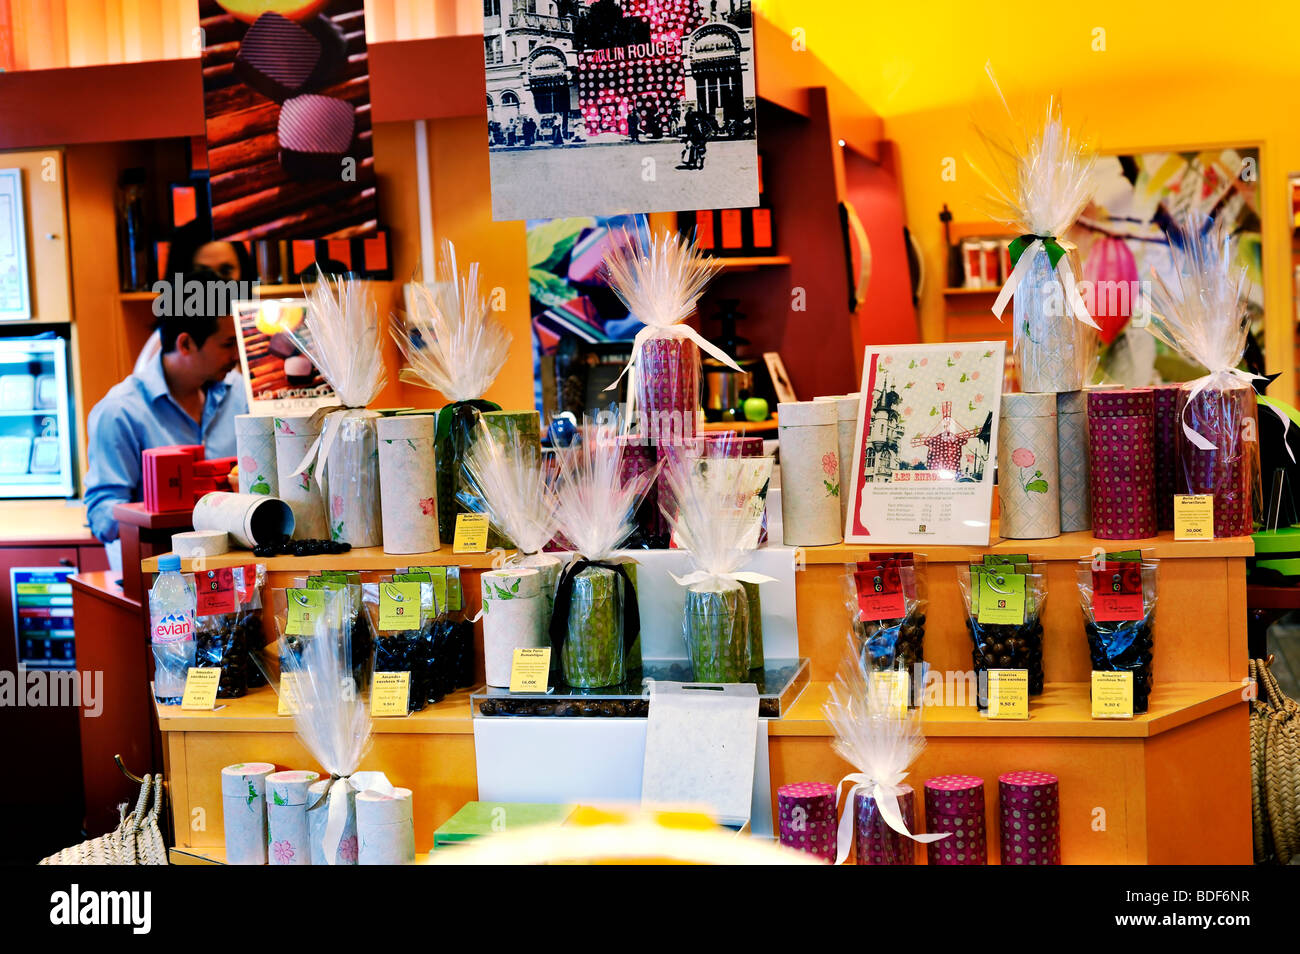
(171, 618)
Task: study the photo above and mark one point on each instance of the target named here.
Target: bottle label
(173, 628)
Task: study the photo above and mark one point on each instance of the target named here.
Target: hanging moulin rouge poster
(922, 472)
(604, 107)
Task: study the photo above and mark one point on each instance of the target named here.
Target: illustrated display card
(278, 377)
(923, 471)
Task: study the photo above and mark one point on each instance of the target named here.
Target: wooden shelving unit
(740, 264)
(263, 291)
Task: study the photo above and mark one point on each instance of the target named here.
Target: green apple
(755, 409)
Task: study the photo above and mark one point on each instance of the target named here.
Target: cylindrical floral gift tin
(1031, 818)
(286, 817)
(255, 448)
(318, 815)
(513, 607)
(352, 480)
(250, 519)
(243, 807)
(294, 437)
(846, 431)
(408, 483)
(955, 804)
(1072, 460)
(1029, 492)
(715, 625)
(876, 843)
(385, 828)
(1122, 463)
(810, 473)
(806, 813)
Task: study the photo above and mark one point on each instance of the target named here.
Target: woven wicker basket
(1275, 769)
(137, 840)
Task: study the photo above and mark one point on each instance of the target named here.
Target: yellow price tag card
(530, 669)
(389, 693)
(201, 688)
(304, 609)
(1008, 693)
(288, 703)
(1112, 695)
(1193, 516)
(893, 684)
(471, 533)
(399, 606)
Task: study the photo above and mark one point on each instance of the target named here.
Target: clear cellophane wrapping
(595, 509)
(1121, 645)
(1202, 312)
(886, 596)
(427, 651)
(228, 640)
(709, 504)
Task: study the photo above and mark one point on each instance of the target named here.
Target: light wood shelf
(361, 558)
(741, 263)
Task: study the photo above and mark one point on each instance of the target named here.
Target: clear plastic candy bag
(1005, 645)
(1118, 601)
(226, 639)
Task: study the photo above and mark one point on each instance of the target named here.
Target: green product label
(1125, 556)
(412, 578)
(328, 586)
(399, 606)
(997, 559)
(438, 575)
(305, 609)
(1001, 598)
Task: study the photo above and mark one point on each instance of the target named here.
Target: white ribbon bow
(329, 420)
(740, 576)
(672, 331)
(885, 794)
(1023, 264)
(337, 819)
(1199, 385)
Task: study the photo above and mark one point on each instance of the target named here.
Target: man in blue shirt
(182, 396)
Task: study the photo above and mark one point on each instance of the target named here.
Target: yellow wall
(1191, 74)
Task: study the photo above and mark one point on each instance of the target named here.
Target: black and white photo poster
(603, 107)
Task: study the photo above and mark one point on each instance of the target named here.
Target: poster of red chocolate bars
(286, 95)
(604, 107)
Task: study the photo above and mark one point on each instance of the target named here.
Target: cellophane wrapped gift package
(596, 621)
(345, 343)
(1200, 311)
(452, 343)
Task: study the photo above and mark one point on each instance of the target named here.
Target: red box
(168, 480)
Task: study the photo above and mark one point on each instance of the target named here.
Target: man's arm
(115, 468)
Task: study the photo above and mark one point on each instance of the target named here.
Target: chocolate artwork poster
(602, 107)
(286, 97)
(926, 449)
(278, 377)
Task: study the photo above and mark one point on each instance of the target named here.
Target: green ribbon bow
(1022, 242)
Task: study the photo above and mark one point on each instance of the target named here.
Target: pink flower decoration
(956, 354)
(426, 506)
(247, 465)
(337, 503)
(831, 464)
(283, 852)
(907, 411)
(889, 359)
(974, 375)
(348, 849)
(924, 362)
(979, 398)
(1022, 457)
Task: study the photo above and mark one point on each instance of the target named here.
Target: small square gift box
(286, 817)
(243, 806)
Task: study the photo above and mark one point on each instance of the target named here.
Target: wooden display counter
(1171, 786)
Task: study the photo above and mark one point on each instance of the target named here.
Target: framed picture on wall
(15, 293)
(926, 444)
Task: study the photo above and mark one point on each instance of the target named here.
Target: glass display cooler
(35, 419)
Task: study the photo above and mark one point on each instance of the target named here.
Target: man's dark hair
(188, 239)
(200, 327)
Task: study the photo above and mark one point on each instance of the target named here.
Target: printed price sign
(530, 670)
(288, 703)
(1001, 598)
(390, 692)
(201, 688)
(1112, 695)
(304, 609)
(1008, 693)
(215, 590)
(399, 606)
(471, 533)
(1193, 516)
(1117, 593)
(893, 685)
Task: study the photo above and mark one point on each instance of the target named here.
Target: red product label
(245, 582)
(880, 594)
(1117, 593)
(303, 252)
(763, 228)
(216, 592)
(732, 236)
(376, 253)
(340, 250)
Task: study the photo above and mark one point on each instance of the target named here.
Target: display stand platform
(1168, 787)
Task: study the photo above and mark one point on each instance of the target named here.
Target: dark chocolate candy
(315, 133)
(281, 59)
